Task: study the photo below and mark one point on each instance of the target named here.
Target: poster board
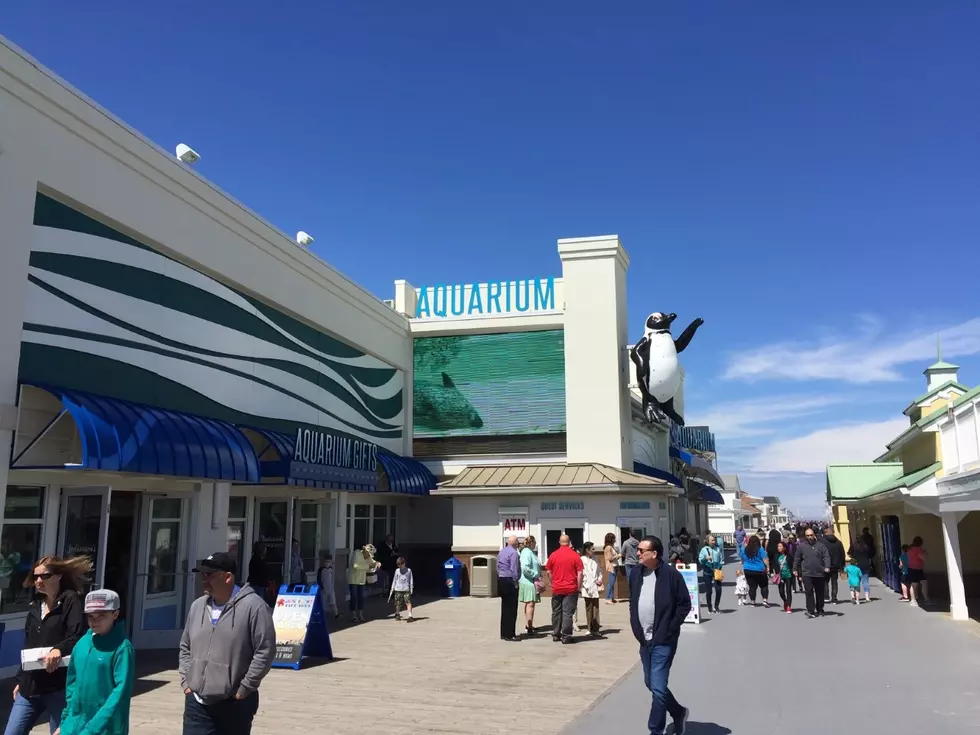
(301, 626)
(690, 574)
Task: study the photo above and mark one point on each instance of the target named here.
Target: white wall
(476, 520)
(597, 406)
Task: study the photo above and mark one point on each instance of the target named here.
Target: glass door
(274, 528)
(552, 531)
(162, 580)
(84, 527)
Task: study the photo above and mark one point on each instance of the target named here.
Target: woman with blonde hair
(54, 621)
(529, 588)
(362, 566)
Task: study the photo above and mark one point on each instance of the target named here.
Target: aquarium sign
(495, 298)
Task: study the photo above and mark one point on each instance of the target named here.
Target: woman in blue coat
(755, 562)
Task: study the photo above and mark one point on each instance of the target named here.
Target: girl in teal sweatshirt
(100, 672)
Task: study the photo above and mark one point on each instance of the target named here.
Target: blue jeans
(866, 583)
(356, 597)
(610, 585)
(656, 662)
(26, 712)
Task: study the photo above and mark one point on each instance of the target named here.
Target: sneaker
(398, 616)
(680, 724)
(787, 608)
(913, 603)
(810, 616)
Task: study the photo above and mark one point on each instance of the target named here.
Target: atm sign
(515, 525)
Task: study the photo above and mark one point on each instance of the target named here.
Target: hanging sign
(690, 574)
(301, 626)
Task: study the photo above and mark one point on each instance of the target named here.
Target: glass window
(237, 507)
(393, 511)
(379, 531)
(166, 508)
(361, 530)
(362, 511)
(163, 545)
(236, 546)
(24, 503)
(392, 528)
(83, 522)
(20, 547)
(309, 511)
(380, 511)
(271, 530)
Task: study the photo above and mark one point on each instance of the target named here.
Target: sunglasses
(46, 576)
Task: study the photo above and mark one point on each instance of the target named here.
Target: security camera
(304, 238)
(187, 154)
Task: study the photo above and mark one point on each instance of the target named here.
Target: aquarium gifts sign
(332, 459)
(476, 300)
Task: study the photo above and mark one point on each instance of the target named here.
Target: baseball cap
(217, 562)
(101, 601)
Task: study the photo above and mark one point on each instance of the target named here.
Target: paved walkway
(874, 669)
(448, 672)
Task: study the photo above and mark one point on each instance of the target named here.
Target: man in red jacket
(565, 567)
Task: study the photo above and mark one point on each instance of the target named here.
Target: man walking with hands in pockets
(659, 604)
(227, 648)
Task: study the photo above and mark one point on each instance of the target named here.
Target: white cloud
(847, 443)
(864, 357)
(757, 416)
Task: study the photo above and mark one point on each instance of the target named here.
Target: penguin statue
(657, 370)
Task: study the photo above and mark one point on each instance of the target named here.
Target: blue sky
(804, 177)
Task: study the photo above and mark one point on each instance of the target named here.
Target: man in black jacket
(836, 550)
(812, 565)
(659, 604)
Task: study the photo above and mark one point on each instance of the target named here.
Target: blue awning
(120, 436)
(405, 475)
(706, 494)
(698, 467)
(645, 469)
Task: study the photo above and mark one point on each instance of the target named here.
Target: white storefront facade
(177, 376)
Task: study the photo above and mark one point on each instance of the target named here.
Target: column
(954, 565)
(406, 300)
(597, 403)
(18, 186)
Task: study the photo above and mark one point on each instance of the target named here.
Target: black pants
(229, 717)
(814, 588)
(507, 589)
(757, 581)
(786, 591)
(710, 583)
(830, 589)
(562, 612)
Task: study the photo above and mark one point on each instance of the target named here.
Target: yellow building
(926, 483)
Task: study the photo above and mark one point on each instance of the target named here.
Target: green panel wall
(490, 384)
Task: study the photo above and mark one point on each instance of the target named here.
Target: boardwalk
(874, 669)
(446, 673)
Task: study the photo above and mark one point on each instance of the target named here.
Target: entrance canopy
(334, 462)
(697, 467)
(120, 436)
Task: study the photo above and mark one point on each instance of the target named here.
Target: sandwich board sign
(690, 574)
(301, 626)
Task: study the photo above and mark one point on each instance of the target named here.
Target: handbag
(774, 578)
(719, 575)
(539, 584)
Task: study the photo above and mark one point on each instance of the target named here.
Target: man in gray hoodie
(227, 647)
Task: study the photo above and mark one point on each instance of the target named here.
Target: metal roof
(557, 474)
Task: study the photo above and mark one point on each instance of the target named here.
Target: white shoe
(913, 603)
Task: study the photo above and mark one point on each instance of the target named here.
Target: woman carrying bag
(712, 566)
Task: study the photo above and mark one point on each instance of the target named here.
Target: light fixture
(304, 238)
(187, 154)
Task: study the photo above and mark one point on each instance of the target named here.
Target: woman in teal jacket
(100, 673)
(711, 561)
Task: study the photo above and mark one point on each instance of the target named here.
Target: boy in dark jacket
(659, 605)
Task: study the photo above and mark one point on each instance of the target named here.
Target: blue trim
(707, 494)
(120, 436)
(645, 469)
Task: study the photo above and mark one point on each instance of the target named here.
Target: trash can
(483, 576)
(453, 574)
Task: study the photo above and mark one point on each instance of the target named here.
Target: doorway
(552, 530)
(120, 557)
(274, 528)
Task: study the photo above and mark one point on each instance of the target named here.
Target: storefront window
(164, 545)
(20, 544)
(370, 524)
(237, 510)
(309, 533)
(272, 517)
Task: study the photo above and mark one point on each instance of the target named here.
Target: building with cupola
(925, 483)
